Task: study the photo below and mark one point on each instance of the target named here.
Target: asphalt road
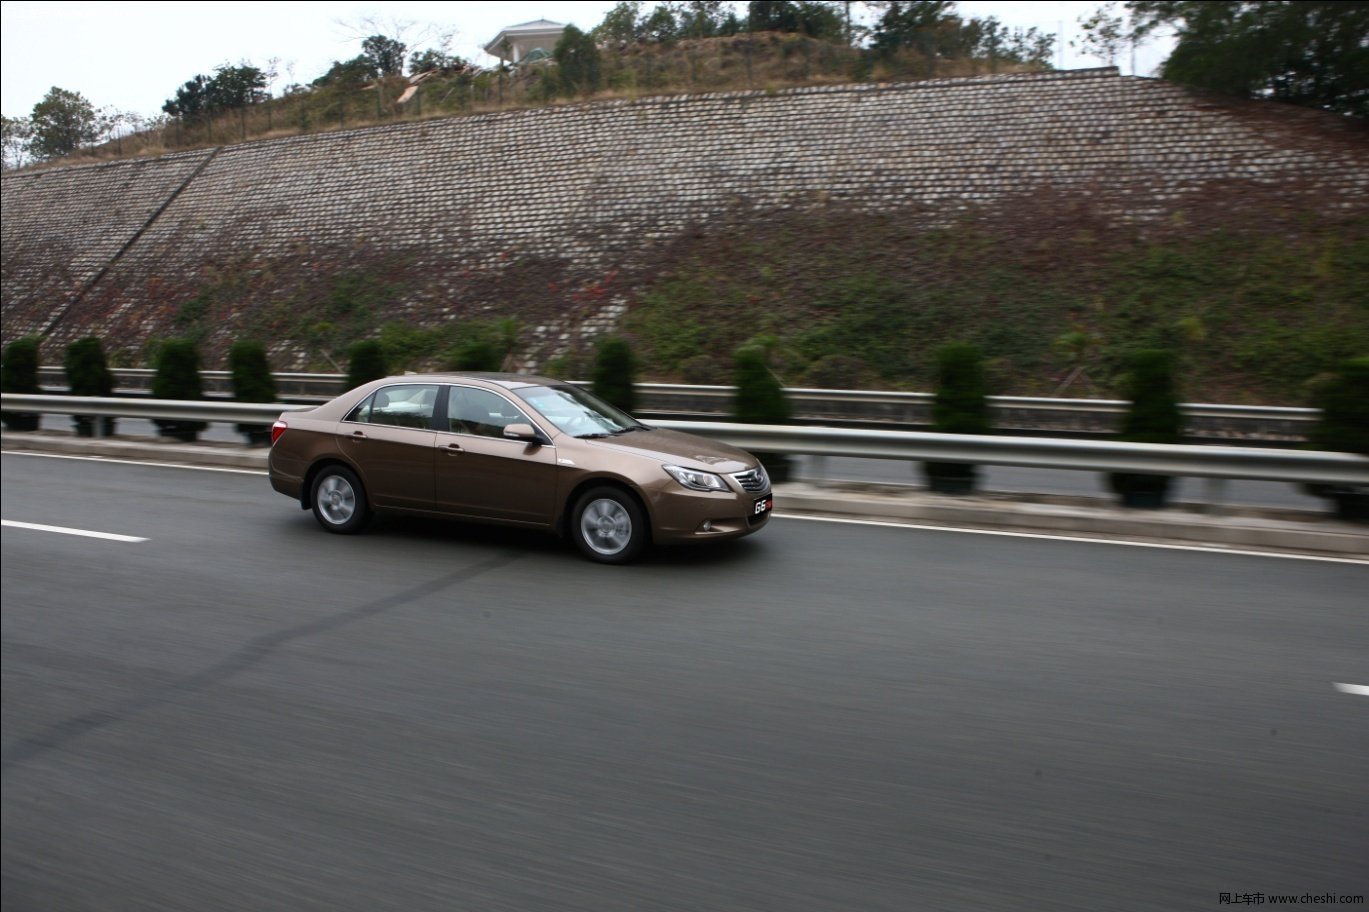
(998, 479)
(243, 712)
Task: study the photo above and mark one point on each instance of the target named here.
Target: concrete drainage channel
(1272, 530)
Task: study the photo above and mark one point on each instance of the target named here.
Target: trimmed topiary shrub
(1152, 418)
(88, 374)
(476, 355)
(760, 400)
(366, 362)
(1344, 403)
(19, 374)
(252, 382)
(615, 371)
(1344, 428)
(961, 406)
(178, 377)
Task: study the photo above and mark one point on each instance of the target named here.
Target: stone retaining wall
(594, 183)
(62, 226)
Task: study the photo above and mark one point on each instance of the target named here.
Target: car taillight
(277, 429)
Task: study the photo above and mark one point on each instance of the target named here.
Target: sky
(132, 56)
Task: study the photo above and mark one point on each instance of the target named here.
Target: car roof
(506, 380)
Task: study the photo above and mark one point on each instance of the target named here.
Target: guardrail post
(1216, 495)
(817, 469)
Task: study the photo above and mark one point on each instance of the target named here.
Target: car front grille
(753, 481)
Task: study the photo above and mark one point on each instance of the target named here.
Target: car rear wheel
(609, 526)
(340, 501)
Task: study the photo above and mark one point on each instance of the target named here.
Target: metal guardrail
(1022, 412)
(139, 380)
(799, 396)
(149, 409)
(1033, 452)
(1249, 463)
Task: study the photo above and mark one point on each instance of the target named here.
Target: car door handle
(358, 435)
(454, 448)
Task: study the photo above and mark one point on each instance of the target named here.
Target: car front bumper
(681, 516)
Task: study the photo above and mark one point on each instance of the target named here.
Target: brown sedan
(517, 450)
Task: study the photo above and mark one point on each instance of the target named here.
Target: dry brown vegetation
(766, 61)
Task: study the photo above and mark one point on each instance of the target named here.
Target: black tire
(339, 501)
(608, 525)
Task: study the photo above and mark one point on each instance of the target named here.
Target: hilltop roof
(516, 41)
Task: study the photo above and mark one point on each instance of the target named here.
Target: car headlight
(697, 481)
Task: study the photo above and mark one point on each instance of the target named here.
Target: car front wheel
(340, 501)
(608, 526)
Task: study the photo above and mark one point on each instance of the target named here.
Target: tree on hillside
(914, 25)
(357, 71)
(626, 24)
(385, 42)
(115, 124)
(190, 99)
(933, 29)
(435, 59)
(62, 122)
(237, 86)
(1312, 53)
(385, 53)
(577, 62)
(1106, 34)
(990, 39)
(929, 27)
(707, 19)
(621, 26)
(808, 17)
(661, 24)
(18, 132)
(230, 87)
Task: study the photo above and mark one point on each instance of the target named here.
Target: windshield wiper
(614, 433)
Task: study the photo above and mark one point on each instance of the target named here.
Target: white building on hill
(519, 42)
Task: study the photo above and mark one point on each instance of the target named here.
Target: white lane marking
(1204, 549)
(1361, 690)
(134, 462)
(63, 530)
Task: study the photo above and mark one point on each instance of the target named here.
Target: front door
(480, 473)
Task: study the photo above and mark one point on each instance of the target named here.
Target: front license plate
(764, 505)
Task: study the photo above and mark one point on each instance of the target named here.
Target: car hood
(675, 447)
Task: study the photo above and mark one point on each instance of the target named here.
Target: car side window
(410, 405)
(480, 412)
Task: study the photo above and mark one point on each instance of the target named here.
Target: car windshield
(576, 412)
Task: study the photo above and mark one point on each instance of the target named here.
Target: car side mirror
(524, 432)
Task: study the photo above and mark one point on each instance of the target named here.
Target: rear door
(389, 437)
